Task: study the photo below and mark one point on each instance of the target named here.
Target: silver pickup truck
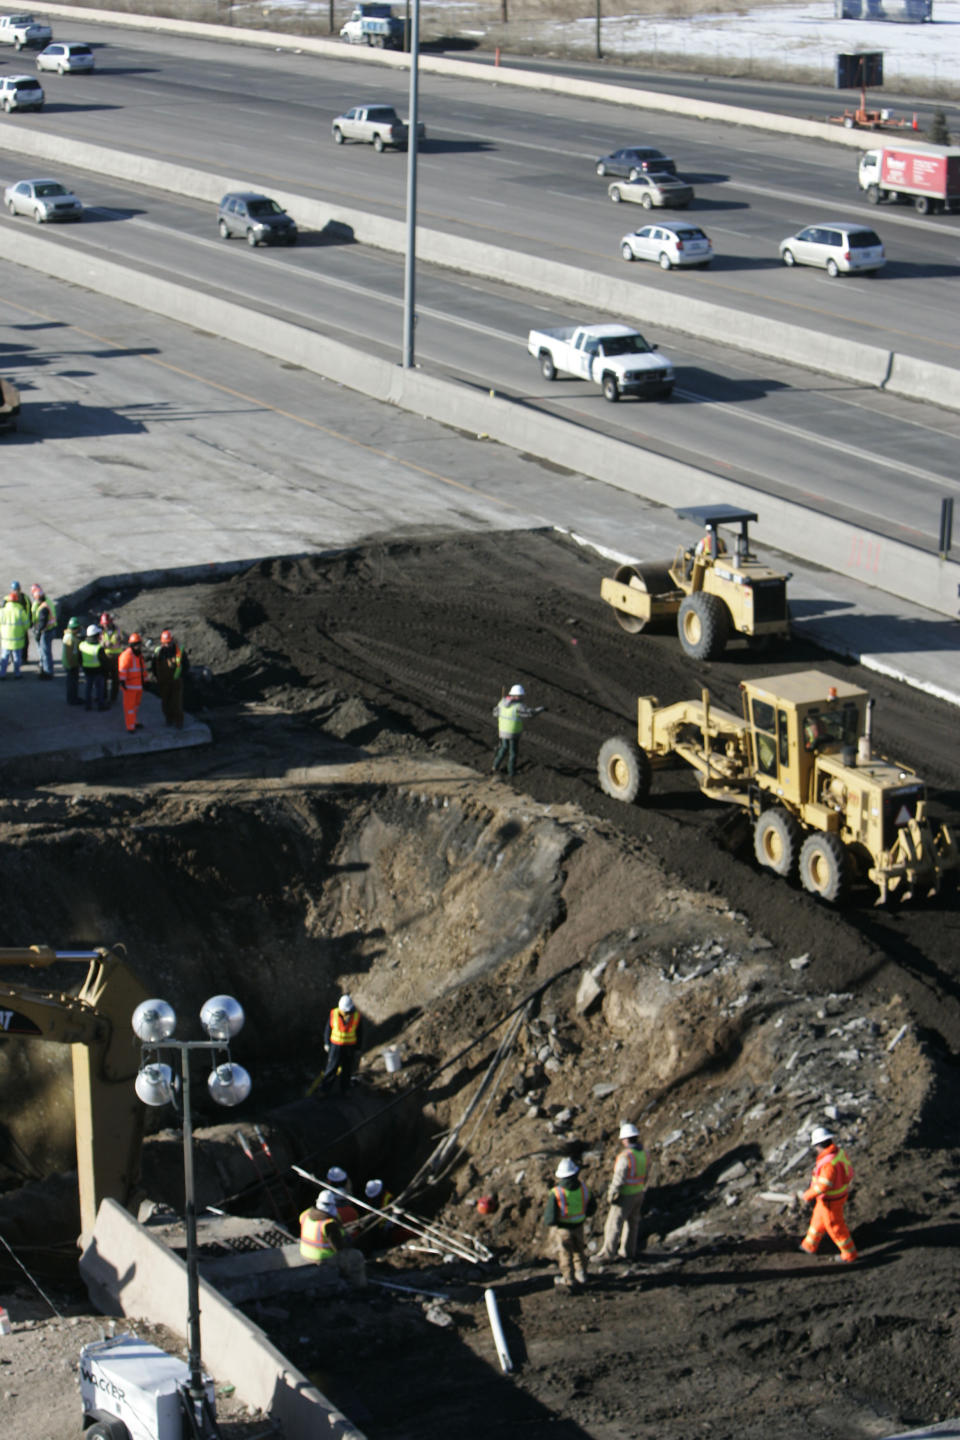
(376, 125)
(21, 30)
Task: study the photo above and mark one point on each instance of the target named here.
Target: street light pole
(409, 269)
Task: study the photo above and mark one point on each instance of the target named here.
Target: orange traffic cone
(5, 1326)
(915, 125)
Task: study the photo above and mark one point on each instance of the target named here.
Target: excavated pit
(668, 981)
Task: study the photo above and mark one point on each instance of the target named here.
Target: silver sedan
(44, 200)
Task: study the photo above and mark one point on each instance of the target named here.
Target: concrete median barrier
(890, 566)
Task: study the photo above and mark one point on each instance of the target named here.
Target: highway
(485, 173)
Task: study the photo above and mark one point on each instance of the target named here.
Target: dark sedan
(636, 160)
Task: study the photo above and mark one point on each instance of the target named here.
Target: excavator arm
(95, 1023)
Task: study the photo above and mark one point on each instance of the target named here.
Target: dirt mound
(651, 971)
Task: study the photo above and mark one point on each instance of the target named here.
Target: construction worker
(43, 618)
(14, 631)
(346, 1212)
(169, 665)
(112, 648)
(17, 595)
(568, 1205)
(133, 675)
(324, 1241)
(91, 663)
(510, 714)
(70, 658)
(829, 1188)
(342, 1039)
(626, 1192)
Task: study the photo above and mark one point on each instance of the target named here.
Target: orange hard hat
(166, 638)
(488, 1205)
(134, 639)
(36, 591)
(105, 619)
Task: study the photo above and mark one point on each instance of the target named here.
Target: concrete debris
(438, 1316)
(734, 1172)
(604, 1089)
(799, 962)
(671, 1139)
(589, 993)
(897, 1038)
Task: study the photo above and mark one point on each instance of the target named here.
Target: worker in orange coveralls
(829, 1188)
(132, 673)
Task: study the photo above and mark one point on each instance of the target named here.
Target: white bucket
(392, 1061)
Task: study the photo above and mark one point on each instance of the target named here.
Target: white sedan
(44, 200)
(668, 245)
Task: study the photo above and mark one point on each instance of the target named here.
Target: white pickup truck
(614, 357)
(21, 30)
(376, 125)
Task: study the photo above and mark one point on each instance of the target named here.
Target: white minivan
(838, 246)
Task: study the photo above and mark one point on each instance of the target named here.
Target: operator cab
(710, 517)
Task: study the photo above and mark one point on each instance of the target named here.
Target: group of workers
(328, 1227)
(570, 1204)
(97, 653)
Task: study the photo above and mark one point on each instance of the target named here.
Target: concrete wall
(891, 566)
(129, 1272)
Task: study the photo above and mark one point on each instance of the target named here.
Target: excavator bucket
(641, 593)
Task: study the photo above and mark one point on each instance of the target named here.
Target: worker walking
(169, 665)
(626, 1193)
(14, 631)
(324, 1240)
(342, 1038)
(91, 663)
(70, 659)
(510, 714)
(132, 678)
(43, 618)
(113, 648)
(568, 1206)
(829, 1188)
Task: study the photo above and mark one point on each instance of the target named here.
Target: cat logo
(903, 817)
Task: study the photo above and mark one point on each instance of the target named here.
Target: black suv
(258, 217)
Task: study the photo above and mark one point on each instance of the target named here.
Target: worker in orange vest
(342, 1039)
(829, 1188)
(133, 675)
(170, 664)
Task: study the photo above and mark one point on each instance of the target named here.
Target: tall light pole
(154, 1022)
(410, 266)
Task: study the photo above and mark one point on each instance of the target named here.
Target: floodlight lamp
(154, 1021)
(229, 1084)
(154, 1084)
(222, 1017)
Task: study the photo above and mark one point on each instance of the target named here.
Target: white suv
(668, 245)
(66, 57)
(21, 92)
(838, 246)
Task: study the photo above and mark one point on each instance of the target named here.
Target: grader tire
(623, 770)
(776, 841)
(702, 625)
(825, 866)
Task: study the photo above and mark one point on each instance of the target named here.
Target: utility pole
(410, 267)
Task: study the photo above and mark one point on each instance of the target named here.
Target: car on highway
(668, 245)
(66, 57)
(43, 200)
(259, 218)
(21, 92)
(21, 31)
(652, 191)
(636, 160)
(841, 247)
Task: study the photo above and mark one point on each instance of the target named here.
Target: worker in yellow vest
(43, 618)
(170, 664)
(626, 1192)
(568, 1206)
(510, 713)
(342, 1038)
(91, 663)
(113, 648)
(70, 658)
(14, 631)
(324, 1240)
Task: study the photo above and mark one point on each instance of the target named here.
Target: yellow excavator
(95, 1023)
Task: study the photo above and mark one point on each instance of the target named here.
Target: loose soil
(344, 831)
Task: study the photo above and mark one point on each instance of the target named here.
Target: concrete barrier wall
(633, 299)
(129, 1272)
(892, 567)
(334, 48)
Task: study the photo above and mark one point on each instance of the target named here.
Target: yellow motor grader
(800, 760)
(712, 593)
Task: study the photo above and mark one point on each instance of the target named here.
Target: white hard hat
(326, 1200)
(628, 1131)
(345, 1003)
(821, 1136)
(518, 691)
(566, 1169)
(336, 1175)
(93, 631)
(373, 1188)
